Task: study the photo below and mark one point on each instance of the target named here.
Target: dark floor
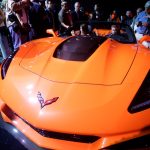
(142, 143)
(7, 142)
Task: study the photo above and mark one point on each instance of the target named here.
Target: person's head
(77, 6)
(96, 7)
(114, 14)
(129, 13)
(64, 5)
(84, 29)
(49, 4)
(115, 29)
(139, 10)
(147, 7)
(82, 9)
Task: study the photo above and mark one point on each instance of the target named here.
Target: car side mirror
(145, 41)
(51, 31)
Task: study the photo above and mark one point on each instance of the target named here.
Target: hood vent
(78, 48)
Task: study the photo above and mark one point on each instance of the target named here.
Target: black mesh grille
(6, 64)
(141, 100)
(64, 136)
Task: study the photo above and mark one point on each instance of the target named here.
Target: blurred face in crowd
(147, 9)
(138, 10)
(49, 4)
(129, 14)
(96, 7)
(84, 29)
(64, 5)
(114, 14)
(115, 29)
(77, 6)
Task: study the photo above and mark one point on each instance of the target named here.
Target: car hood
(71, 104)
(108, 65)
(73, 101)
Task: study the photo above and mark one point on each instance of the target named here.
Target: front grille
(63, 136)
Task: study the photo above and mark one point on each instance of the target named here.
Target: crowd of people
(25, 20)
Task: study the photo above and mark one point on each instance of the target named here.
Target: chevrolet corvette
(83, 92)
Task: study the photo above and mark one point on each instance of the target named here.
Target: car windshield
(117, 31)
(93, 34)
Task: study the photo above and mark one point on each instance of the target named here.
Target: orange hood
(108, 65)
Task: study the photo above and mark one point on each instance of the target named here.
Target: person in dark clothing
(115, 30)
(52, 15)
(84, 29)
(5, 48)
(65, 19)
(114, 17)
(128, 19)
(77, 14)
(116, 34)
(97, 13)
(17, 20)
(36, 18)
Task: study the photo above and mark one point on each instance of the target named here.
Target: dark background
(110, 5)
(107, 5)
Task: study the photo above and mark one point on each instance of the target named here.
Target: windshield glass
(117, 31)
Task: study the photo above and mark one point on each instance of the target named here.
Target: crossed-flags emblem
(43, 102)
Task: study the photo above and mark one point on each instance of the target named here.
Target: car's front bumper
(19, 136)
(29, 136)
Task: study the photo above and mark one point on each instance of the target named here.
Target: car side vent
(6, 64)
(141, 100)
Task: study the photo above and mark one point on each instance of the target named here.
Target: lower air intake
(64, 136)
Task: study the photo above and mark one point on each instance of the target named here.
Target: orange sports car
(84, 92)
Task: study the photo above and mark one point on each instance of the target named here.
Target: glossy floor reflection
(8, 142)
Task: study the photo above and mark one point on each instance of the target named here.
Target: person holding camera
(142, 22)
(17, 20)
(5, 43)
(65, 19)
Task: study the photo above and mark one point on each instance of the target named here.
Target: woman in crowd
(5, 43)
